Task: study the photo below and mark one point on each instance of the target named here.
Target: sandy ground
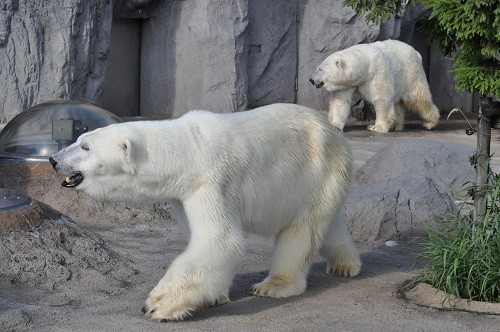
(368, 302)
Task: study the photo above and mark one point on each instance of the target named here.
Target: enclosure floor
(368, 302)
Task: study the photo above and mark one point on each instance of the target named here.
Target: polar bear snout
(72, 180)
(53, 162)
(317, 84)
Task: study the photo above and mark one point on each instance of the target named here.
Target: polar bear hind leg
(400, 116)
(420, 102)
(339, 250)
(294, 248)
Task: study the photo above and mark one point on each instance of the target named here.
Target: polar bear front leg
(340, 107)
(385, 116)
(290, 264)
(200, 276)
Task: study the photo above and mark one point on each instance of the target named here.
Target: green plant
(378, 11)
(463, 254)
(469, 30)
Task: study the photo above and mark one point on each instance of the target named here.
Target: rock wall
(193, 57)
(325, 26)
(272, 51)
(442, 84)
(52, 50)
(225, 56)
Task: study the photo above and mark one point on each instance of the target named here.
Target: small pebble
(391, 243)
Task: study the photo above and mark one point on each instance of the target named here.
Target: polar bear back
(305, 162)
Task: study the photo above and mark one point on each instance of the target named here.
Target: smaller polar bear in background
(388, 74)
(280, 170)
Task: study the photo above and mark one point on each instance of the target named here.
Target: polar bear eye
(85, 147)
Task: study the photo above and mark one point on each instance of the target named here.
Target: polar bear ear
(128, 155)
(127, 148)
(340, 64)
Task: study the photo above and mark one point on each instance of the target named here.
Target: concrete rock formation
(43, 248)
(222, 56)
(172, 56)
(272, 51)
(446, 163)
(406, 186)
(52, 50)
(396, 208)
(194, 57)
(325, 27)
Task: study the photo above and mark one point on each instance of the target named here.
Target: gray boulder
(396, 208)
(446, 163)
(405, 187)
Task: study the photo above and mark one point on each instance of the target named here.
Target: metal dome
(40, 131)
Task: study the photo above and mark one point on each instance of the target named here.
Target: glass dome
(40, 131)
(11, 200)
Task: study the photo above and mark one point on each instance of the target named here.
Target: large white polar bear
(280, 170)
(388, 74)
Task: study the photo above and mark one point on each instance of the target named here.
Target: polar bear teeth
(72, 180)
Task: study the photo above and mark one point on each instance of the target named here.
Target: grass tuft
(463, 254)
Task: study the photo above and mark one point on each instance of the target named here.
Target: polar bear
(388, 74)
(280, 170)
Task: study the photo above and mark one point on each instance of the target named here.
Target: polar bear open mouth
(72, 180)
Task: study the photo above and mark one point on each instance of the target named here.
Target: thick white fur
(388, 74)
(280, 170)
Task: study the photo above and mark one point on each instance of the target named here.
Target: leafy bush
(473, 25)
(463, 254)
(377, 11)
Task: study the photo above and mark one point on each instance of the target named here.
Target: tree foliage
(468, 30)
(378, 11)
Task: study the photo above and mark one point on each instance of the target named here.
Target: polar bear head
(100, 163)
(341, 70)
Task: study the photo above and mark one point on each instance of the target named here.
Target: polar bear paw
(399, 126)
(343, 269)
(279, 286)
(378, 128)
(337, 124)
(164, 308)
(429, 124)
